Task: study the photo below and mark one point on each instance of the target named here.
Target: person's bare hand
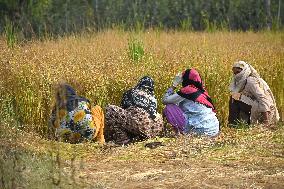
(236, 96)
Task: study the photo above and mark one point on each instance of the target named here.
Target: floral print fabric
(71, 119)
(131, 124)
(75, 125)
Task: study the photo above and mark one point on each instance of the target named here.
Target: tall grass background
(101, 66)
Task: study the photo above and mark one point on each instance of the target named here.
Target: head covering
(142, 96)
(67, 98)
(193, 89)
(146, 84)
(191, 77)
(239, 80)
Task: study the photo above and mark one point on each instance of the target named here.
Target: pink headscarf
(193, 89)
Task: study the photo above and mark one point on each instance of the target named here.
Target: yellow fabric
(62, 114)
(79, 116)
(98, 117)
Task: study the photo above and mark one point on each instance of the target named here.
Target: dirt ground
(247, 158)
(184, 173)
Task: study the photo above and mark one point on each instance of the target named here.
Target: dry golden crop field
(101, 67)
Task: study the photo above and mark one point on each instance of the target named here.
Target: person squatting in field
(73, 119)
(192, 100)
(251, 99)
(137, 119)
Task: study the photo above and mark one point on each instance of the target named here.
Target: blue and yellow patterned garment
(72, 116)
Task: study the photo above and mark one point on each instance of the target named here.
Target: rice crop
(99, 67)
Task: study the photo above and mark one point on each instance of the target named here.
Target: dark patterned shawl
(142, 96)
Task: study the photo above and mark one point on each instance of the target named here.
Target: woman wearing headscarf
(73, 119)
(137, 118)
(195, 103)
(251, 99)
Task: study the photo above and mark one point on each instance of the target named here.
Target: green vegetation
(50, 18)
(135, 50)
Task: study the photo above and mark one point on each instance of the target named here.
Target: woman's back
(199, 118)
(71, 116)
(137, 118)
(141, 96)
(196, 104)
